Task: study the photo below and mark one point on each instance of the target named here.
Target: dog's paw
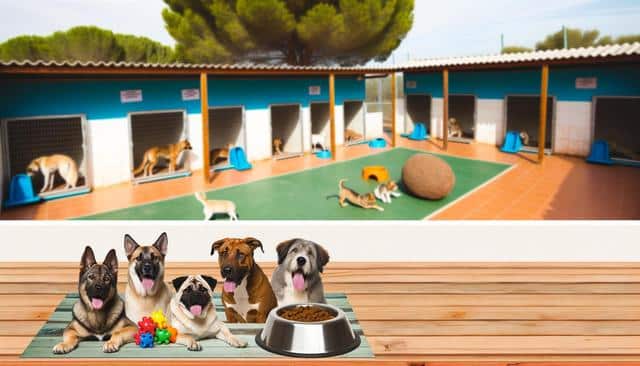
(194, 346)
(62, 348)
(238, 343)
(110, 347)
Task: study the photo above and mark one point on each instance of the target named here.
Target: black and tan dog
(99, 314)
(146, 291)
(153, 155)
(246, 294)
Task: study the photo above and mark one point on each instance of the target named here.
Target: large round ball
(427, 176)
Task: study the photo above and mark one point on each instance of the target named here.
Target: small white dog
(317, 142)
(385, 191)
(212, 207)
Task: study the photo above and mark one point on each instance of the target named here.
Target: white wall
(374, 125)
(597, 241)
(573, 128)
(306, 128)
(194, 122)
(110, 151)
(435, 130)
(490, 124)
(339, 118)
(258, 122)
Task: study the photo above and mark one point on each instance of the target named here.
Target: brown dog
(220, 153)
(49, 165)
(153, 155)
(367, 200)
(247, 295)
(352, 136)
(277, 146)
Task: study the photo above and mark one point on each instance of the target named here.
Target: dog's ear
(322, 257)
(130, 245)
(212, 282)
(178, 281)
(253, 243)
(111, 261)
(162, 243)
(283, 249)
(217, 244)
(88, 259)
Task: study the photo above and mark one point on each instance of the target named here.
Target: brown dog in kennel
(154, 154)
(49, 165)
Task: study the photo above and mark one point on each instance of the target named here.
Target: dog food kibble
(306, 314)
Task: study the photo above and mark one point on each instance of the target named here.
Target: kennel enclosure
(286, 125)
(26, 139)
(418, 110)
(462, 107)
(157, 128)
(226, 127)
(320, 123)
(522, 115)
(616, 120)
(354, 112)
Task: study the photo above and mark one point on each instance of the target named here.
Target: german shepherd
(49, 165)
(153, 155)
(220, 153)
(367, 200)
(352, 136)
(146, 290)
(99, 314)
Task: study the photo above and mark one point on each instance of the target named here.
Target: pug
(193, 313)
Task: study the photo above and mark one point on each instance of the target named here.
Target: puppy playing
(385, 191)
(153, 155)
(221, 153)
(297, 280)
(277, 146)
(146, 290)
(317, 142)
(455, 130)
(193, 313)
(246, 295)
(352, 136)
(212, 207)
(99, 314)
(49, 165)
(367, 200)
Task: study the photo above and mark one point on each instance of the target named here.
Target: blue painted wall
(617, 81)
(98, 99)
(259, 93)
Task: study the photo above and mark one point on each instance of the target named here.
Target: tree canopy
(298, 32)
(85, 43)
(575, 38)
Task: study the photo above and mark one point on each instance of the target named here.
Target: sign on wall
(190, 94)
(130, 96)
(411, 84)
(586, 83)
(314, 90)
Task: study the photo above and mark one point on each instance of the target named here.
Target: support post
(445, 109)
(332, 113)
(393, 109)
(542, 130)
(204, 111)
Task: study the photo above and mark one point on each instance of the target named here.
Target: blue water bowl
(323, 154)
(378, 143)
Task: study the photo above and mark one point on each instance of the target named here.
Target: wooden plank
(542, 129)
(445, 109)
(393, 109)
(506, 345)
(332, 114)
(204, 110)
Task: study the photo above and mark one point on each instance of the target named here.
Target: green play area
(307, 195)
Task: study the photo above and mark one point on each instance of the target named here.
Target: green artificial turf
(304, 195)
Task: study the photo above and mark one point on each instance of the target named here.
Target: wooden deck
(415, 313)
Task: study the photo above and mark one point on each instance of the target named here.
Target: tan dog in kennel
(49, 165)
(153, 155)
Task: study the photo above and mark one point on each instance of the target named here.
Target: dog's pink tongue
(147, 283)
(298, 281)
(196, 310)
(229, 286)
(97, 303)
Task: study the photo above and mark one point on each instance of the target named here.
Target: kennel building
(504, 94)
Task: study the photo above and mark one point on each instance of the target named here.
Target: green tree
(515, 49)
(25, 48)
(85, 43)
(142, 49)
(575, 38)
(298, 32)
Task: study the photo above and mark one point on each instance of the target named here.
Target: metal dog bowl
(327, 338)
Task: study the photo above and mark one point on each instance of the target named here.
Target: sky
(441, 28)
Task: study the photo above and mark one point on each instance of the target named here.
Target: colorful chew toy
(155, 329)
